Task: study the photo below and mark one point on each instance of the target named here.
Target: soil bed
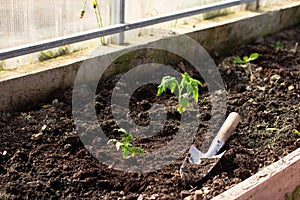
(41, 156)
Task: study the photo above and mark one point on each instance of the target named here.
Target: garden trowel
(197, 164)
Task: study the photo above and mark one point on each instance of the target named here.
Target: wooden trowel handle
(228, 127)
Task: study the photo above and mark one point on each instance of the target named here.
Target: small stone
(67, 146)
(188, 198)
(140, 197)
(37, 136)
(58, 193)
(274, 78)
(206, 190)
(153, 196)
(227, 187)
(271, 91)
(261, 88)
(291, 87)
(55, 102)
(252, 101)
(44, 127)
(259, 69)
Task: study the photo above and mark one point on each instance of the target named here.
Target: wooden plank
(271, 183)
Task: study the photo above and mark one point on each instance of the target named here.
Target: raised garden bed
(274, 182)
(41, 156)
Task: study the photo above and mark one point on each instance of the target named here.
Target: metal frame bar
(113, 29)
(257, 4)
(122, 20)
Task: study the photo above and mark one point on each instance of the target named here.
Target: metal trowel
(197, 164)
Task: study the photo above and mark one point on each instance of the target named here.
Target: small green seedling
(295, 131)
(187, 87)
(246, 63)
(295, 194)
(246, 59)
(129, 150)
(277, 45)
(216, 54)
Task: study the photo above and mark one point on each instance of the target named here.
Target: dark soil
(42, 157)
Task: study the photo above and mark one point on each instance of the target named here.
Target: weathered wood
(271, 183)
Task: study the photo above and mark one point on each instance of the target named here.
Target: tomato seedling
(129, 150)
(246, 59)
(187, 88)
(245, 63)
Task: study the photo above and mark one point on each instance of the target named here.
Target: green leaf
(195, 94)
(140, 150)
(167, 82)
(126, 154)
(136, 150)
(238, 61)
(295, 131)
(195, 89)
(130, 136)
(246, 59)
(162, 86)
(296, 193)
(126, 148)
(160, 90)
(128, 144)
(173, 86)
(172, 83)
(189, 83)
(189, 89)
(277, 45)
(253, 56)
(186, 79)
(216, 54)
(133, 151)
(197, 82)
(184, 76)
(288, 196)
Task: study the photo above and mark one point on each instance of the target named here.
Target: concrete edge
(270, 183)
(27, 90)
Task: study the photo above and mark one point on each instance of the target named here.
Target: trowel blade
(195, 155)
(198, 165)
